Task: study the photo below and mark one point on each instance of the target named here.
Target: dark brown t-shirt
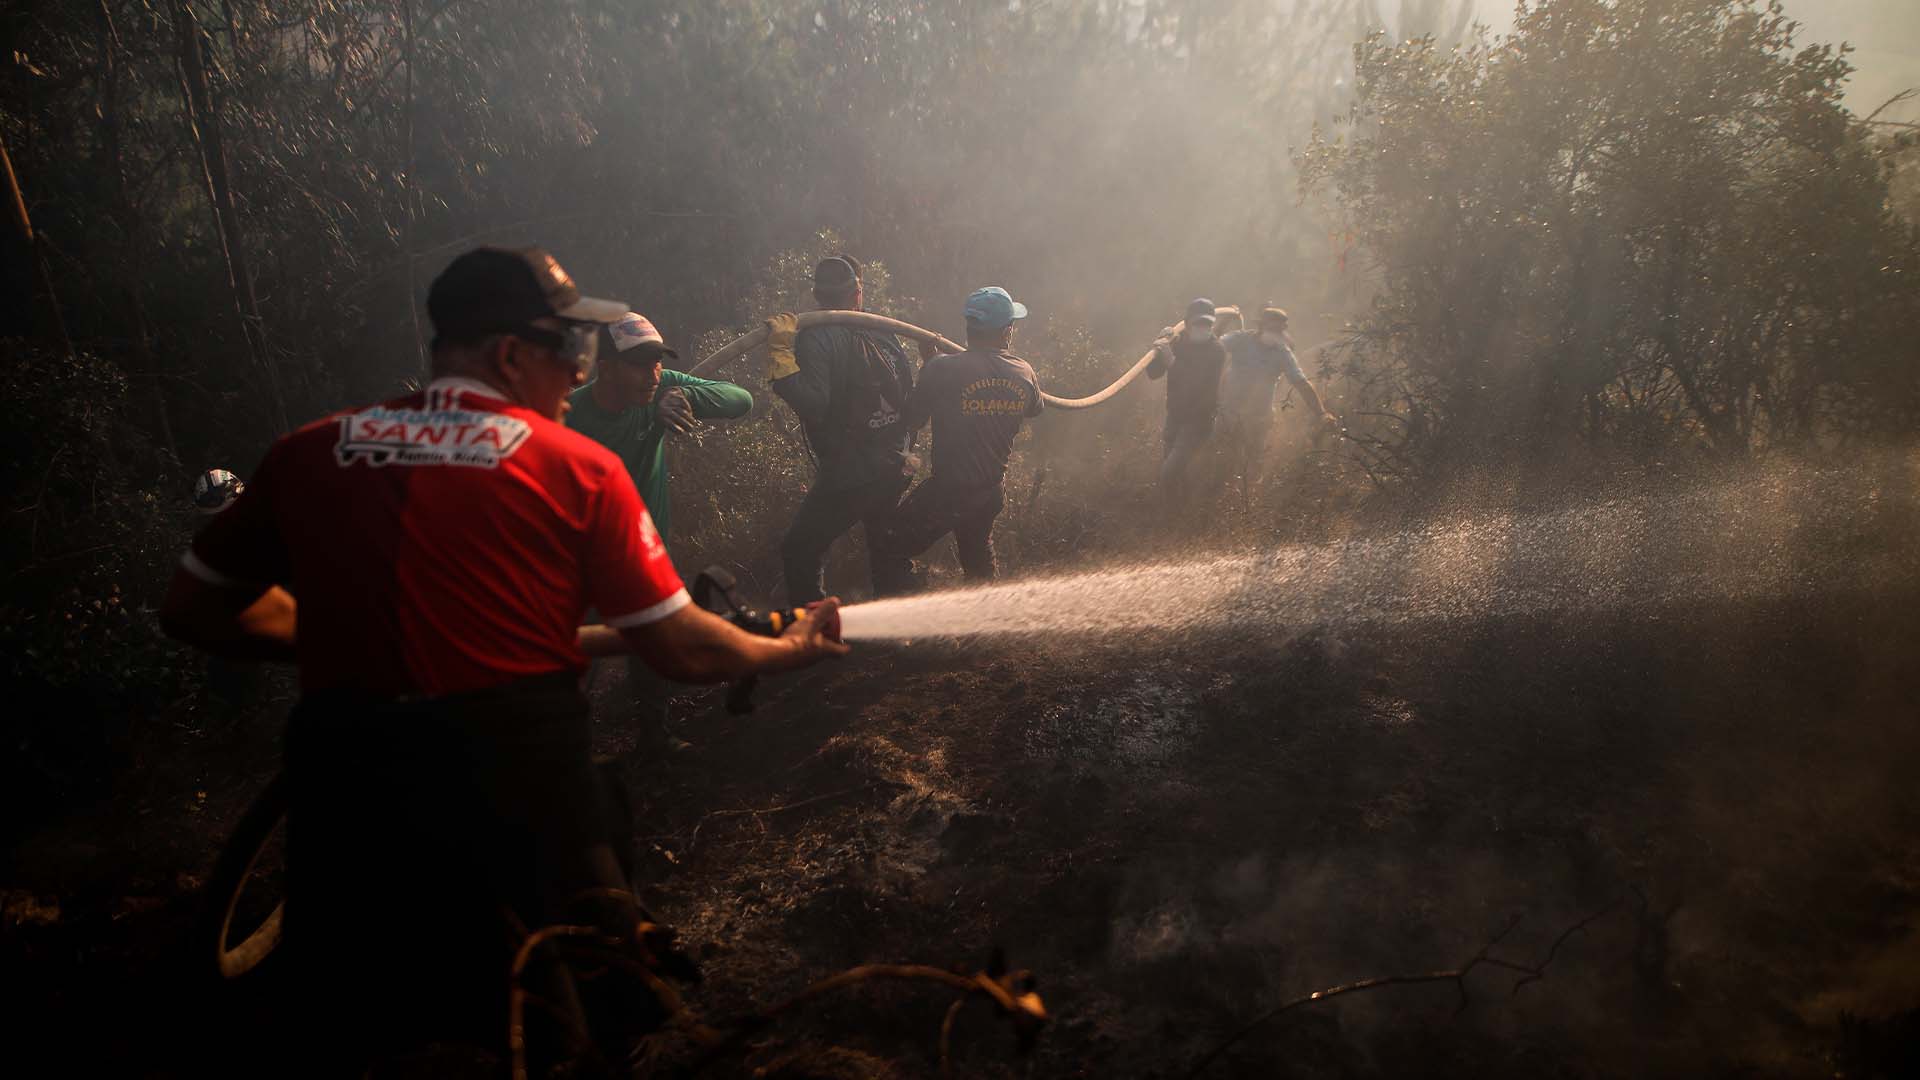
(978, 401)
(1193, 379)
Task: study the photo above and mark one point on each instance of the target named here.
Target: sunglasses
(576, 346)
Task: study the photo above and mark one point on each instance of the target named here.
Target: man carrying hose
(978, 401)
(1191, 361)
(849, 388)
(1255, 361)
(442, 547)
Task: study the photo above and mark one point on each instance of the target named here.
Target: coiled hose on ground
(866, 320)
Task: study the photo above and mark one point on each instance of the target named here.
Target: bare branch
(1908, 94)
(758, 813)
(1457, 976)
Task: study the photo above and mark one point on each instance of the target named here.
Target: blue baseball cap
(993, 307)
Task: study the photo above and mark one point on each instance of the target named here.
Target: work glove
(1162, 354)
(780, 331)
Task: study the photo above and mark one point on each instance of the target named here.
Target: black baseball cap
(493, 290)
(1200, 306)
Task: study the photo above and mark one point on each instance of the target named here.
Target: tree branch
(1457, 976)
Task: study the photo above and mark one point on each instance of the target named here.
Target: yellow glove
(780, 331)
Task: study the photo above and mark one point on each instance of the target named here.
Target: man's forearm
(240, 627)
(694, 646)
(1313, 396)
(718, 401)
(728, 655)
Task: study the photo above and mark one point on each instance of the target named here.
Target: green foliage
(1066, 480)
(1901, 152)
(1631, 222)
(1092, 157)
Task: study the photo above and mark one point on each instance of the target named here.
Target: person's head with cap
(1200, 319)
(629, 375)
(836, 283)
(513, 319)
(1273, 325)
(990, 314)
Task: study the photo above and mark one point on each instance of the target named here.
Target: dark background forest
(1631, 227)
(1631, 235)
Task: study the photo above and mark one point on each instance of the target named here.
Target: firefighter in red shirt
(426, 563)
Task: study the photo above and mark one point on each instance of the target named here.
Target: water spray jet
(1783, 534)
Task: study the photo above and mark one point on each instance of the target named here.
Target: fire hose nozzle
(717, 591)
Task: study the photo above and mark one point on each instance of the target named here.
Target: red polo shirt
(442, 542)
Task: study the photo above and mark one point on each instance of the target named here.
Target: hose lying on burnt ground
(650, 955)
(866, 320)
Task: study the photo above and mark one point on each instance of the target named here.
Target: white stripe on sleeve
(653, 613)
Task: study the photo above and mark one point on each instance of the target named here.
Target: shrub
(91, 536)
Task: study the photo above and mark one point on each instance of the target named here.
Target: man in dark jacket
(978, 401)
(849, 388)
(1191, 361)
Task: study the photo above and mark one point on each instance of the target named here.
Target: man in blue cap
(1191, 360)
(979, 401)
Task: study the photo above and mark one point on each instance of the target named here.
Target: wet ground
(1174, 839)
(1176, 836)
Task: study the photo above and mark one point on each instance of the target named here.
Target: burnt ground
(1175, 836)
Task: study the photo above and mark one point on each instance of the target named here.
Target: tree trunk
(131, 225)
(407, 194)
(37, 256)
(204, 127)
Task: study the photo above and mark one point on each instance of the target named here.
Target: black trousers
(826, 516)
(1187, 437)
(933, 510)
(418, 835)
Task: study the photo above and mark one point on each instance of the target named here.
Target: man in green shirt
(631, 404)
(634, 400)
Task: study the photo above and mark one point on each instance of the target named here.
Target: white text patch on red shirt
(390, 435)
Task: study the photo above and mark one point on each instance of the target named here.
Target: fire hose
(866, 320)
